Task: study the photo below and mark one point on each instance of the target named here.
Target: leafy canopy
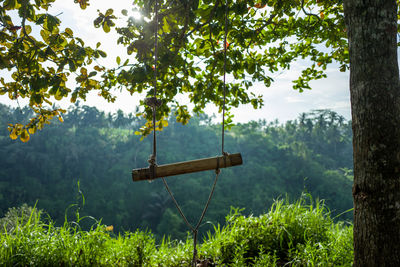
(263, 37)
(41, 64)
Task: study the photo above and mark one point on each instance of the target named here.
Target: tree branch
(308, 14)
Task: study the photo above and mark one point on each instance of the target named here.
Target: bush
(19, 216)
(292, 234)
(301, 233)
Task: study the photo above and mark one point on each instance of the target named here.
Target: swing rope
(223, 108)
(155, 82)
(195, 229)
(154, 103)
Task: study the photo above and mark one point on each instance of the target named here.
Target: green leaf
(106, 27)
(50, 52)
(97, 22)
(58, 95)
(51, 24)
(36, 98)
(80, 41)
(118, 59)
(45, 35)
(61, 65)
(69, 32)
(109, 12)
(10, 4)
(102, 53)
(71, 65)
(124, 12)
(251, 68)
(166, 28)
(92, 73)
(40, 19)
(28, 29)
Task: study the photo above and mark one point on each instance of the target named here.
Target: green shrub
(301, 233)
(293, 234)
(18, 216)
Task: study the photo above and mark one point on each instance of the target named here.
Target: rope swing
(214, 163)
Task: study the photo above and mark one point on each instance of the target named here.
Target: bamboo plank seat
(188, 167)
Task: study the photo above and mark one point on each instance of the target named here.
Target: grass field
(290, 234)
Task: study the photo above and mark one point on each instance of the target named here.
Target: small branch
(308, 14)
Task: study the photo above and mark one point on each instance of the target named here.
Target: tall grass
(290, 234)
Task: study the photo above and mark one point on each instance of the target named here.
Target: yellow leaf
(24, 136)
(110, 228)
(13, 135)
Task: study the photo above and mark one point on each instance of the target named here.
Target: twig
(308, 14)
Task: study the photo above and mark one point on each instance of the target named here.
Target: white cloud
(290, 99)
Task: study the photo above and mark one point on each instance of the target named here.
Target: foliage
(40, 65)
(99, 150)
(263, 37)
(18, 216)
(299, 234)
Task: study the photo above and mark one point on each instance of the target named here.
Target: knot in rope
(153, 102)
(152, 163)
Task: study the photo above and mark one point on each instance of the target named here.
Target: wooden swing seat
(191, 166)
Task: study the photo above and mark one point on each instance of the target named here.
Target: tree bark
(375, 104)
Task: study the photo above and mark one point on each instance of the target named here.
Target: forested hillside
(87, 160)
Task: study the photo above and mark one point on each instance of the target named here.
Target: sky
(280, 100)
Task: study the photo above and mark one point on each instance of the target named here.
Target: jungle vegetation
(84, 165)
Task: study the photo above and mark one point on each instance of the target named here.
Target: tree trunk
(375, 104)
